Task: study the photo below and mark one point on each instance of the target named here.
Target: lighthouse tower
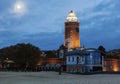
(71, 36)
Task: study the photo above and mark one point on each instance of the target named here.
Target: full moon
(19, 8)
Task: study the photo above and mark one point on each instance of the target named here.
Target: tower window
(77, 29)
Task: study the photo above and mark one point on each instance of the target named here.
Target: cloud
(2, 29)
(46, 17)
(42, 40)
(19, 8)
(46, 40)
(100, 26)
(43, 24)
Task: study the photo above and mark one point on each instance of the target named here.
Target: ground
(55, 78)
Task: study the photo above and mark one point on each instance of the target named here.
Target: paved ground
(54, 78)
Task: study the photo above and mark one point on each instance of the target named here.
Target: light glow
(115, 66)
(115, 69)
(72, 17)
(19, 8)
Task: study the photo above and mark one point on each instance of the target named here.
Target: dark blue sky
(41, 22)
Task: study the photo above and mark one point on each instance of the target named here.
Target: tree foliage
(102, 49)
(51, 54)
(24, 55)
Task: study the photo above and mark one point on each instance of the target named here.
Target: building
(81, 61)
(71, 36)
(111, 65)
(8, 64)
(76, 59)
(49, 64)
(112, 61)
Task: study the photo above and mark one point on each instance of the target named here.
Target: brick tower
(71, 36)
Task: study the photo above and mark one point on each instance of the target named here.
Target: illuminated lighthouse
(71, 36)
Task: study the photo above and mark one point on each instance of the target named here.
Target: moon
(19, 8)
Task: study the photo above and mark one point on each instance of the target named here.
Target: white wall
(69, 59)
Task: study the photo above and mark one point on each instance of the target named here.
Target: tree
(62, 47)
(102, 49)
(25, 56)
(51, 54)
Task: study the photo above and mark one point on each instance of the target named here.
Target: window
(77, 60)
(82, 59)
(68, 59)
(72, 59)
(77, 29)
(61, 54)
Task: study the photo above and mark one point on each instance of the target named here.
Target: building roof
(82, 52)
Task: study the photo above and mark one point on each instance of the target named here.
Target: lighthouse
(71, 36)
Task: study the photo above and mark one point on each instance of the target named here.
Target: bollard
(59, 70)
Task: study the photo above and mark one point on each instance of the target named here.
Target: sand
(54, 78)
